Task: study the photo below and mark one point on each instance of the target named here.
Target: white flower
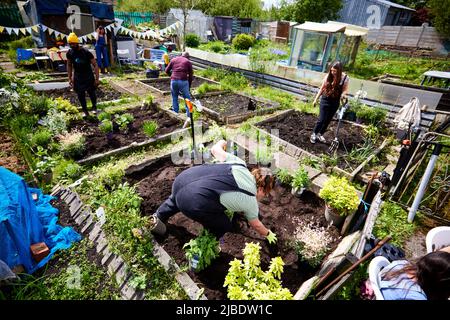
(361, 94)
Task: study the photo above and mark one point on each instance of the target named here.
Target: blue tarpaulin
(24, 221)
(102, 11)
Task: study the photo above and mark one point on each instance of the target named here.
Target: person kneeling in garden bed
(205, 193)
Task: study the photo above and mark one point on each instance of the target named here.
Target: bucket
(332, 217)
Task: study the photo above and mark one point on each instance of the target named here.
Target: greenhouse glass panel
(313, 47)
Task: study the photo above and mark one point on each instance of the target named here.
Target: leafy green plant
(247, 281)
(109, 174)
(106, 126)
(123, 121)
(63, 105)
(42, 138)
(208, 87)
(55, 121)
(393, 221)
(263, 156)
(339, 194)
(205, 247)
(371, 115)
(329, 161)
(104, 116)
(72, 145)
(192, 40)
(312, 242)
(150, 127)
(284, 176)
(300, 179)
(9, 101)
(139, 282)
(310, 162)
(243, 41)
(66, 170)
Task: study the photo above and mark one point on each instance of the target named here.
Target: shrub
(72, 145)
(247, 281)
(205, 247)
(192, 40)
(106, 126)
(284, 176)
(243, 41)
(55, 121)
(110, 175)
(312, 242)
(339, 194)
(9, 101)
(150, 128)
(42, 138)
(300, 179)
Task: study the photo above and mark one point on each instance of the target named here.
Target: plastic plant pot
(158, 227)
(193, 263)
(333, 217)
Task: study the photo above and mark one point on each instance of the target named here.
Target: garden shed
(277, 31)
(197, 22)
(314, 45)
(228, 27)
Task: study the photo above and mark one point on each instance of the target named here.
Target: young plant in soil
(106, 126)
(300, 180)
(283, 176)
(205, 248)
(247, 281)
(340, 195)
(150, 128)
(104, 116)
(312, 242)
(55, 121)
(124, 121)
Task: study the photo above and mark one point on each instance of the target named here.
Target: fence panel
(134, 18)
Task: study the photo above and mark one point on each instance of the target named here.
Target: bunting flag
(16, 30)
(9, 30)
(28, 30)
(35, 28)
(23, 30)
(1, 29)
(44, 28)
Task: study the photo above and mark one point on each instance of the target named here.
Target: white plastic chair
(437, 238)
(376, 265)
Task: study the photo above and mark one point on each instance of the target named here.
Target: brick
(127, 292)
(95, 232)
(39, 251)
(82, 217)
(87, 224)
(102, 244)
(115, 264)
(121, 274)
(107, 256)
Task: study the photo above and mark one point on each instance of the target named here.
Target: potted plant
(284, 178)
(152, 70)
(201, 251)
(300, 181)
(341, 199)
(106, 126)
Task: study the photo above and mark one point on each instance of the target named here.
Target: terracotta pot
(333, 217)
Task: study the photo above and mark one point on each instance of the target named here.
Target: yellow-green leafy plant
(340, 195)
(247, 281)
(150, 127)
(72, 144)
(300, 179)
(284, 176)
(64, 105)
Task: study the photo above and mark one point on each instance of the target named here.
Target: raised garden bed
(104, 93)
(162, 85)
(229, 108)
(98, 145)
(154, 180)
(295, 128)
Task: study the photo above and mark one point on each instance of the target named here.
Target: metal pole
(424, 182)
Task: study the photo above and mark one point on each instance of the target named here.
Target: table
(60, 55)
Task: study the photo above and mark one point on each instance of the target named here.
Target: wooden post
(420, 37)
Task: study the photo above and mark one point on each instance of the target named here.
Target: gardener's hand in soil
(218, 150)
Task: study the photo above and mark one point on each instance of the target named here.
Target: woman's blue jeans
(177, 87)
(102, 56)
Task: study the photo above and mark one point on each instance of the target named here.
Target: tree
(441, 12)
(157, 6)
(235, 8)
(185, 6)
(316, 10)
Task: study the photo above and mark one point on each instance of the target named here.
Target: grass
(70, 275)
(410, 69)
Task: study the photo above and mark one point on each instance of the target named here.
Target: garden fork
(335, 143)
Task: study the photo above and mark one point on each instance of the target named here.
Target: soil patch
(104, 93)
(164, 85)
(281, 215)
(9, 157)
(232, 104)
(296, 128)
(97, 142)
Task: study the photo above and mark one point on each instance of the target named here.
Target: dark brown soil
(165, 85)
(9, 157)
(104, 93)
(97, 142)
(281, 216)
(232, 104)
(296, 128)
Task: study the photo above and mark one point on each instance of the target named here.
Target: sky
(269, 3)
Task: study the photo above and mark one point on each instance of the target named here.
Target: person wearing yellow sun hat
(82, 79)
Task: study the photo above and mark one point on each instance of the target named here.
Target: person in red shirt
(181, 75)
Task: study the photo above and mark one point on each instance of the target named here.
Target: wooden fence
(412, 37)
